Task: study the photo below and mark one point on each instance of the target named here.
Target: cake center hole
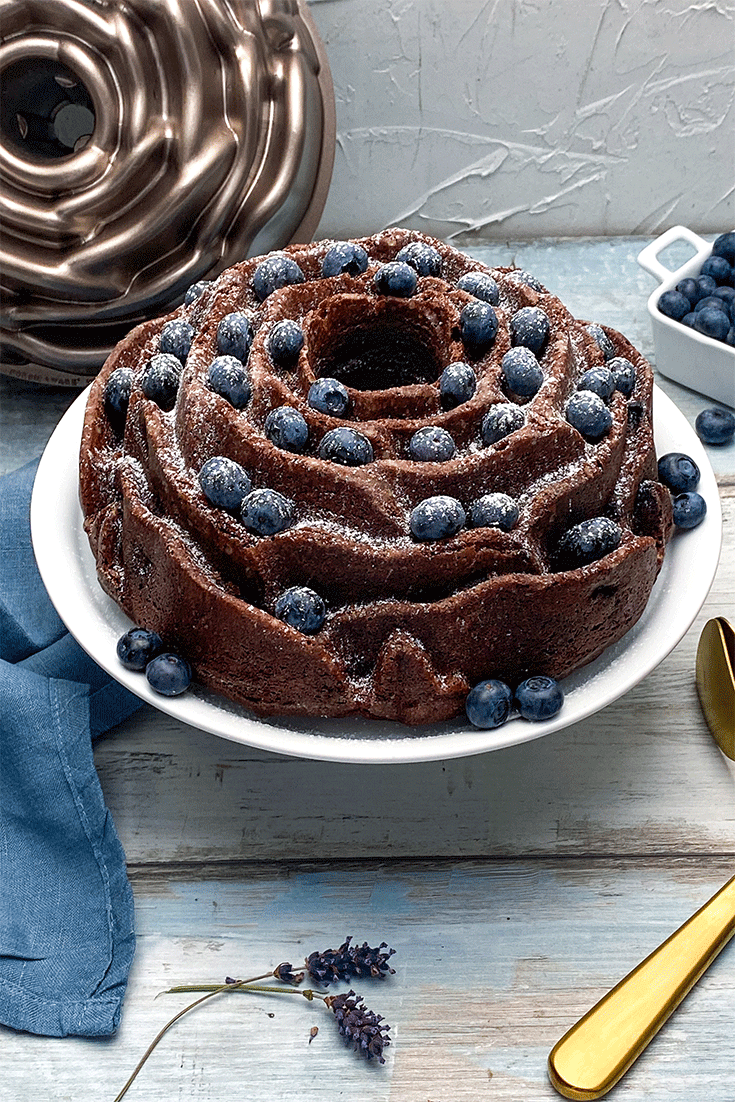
(380, 356)
(45, 111)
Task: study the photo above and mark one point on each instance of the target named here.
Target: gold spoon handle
(600, 1048)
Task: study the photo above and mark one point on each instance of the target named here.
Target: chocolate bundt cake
(359, 477)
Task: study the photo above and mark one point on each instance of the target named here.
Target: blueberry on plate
(521, 371)
(396, 278)
(168, 674)
(329, 396)
(235, 335)
(602, 340)
(689, 509)
(224, 482)
(488, 704)
(588, 414)
(717, 267)
(538, 698)
(674, 305)
(196, 290)
(424, 258)
(690, 289)
(160, 381)
(301, 608)
(229, 379)
(706, 285)
(480, 285)
(265, 512)
(176, 338)
(346, 446)
(437, 518)
(678, 471)
(494, 510)
(724, 245)
(715, 426)
(501, 421)
(530, 328)
(712, 322)
(274, 272)
(285, 341)
(286, 428)
(457, 384)
(713, 301)
(478, 324)
(588, 541)
(344, 257)
(600, 380)
(432, 444)
(137, 647)
(624, 375)
(118, 389)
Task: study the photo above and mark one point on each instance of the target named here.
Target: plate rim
(206, 711)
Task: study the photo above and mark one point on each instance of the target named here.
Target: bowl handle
(648, 258)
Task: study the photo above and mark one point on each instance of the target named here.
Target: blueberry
(137, 647)
(518, 275)
(480, 285)
(424, 258)
(678, 471)
(494, 511)
(588, 541)
(436, 518)
(522, 372)
(478, 325)
(396, 278)
(689, 319)
(530, 328)
(718, 268)
(715, 426)
(302, 609)
(500, 421)
(488, 704)
(224, 482)
(538, 698)
(234, 336)
(285, 341)
(674, 305)
(196, 290)
(345, 256)
(229, 379)
(160, 380)
(726, 294)
(730, 338)
(176, 338)
(274, 272)
(705, 286)
(431, 445)
(266, 512)
(689, 288)
(624, 375)
(711, 302)
(688, 510)
(118, 389)
(457, 384)
(286, 428)
(588, 414)
(329, 396)
(346, 447)
(168, 674)
(601, 339)
(712, 322)
(600, 380)
(724, 245)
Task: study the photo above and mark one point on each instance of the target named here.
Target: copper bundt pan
(145, 146)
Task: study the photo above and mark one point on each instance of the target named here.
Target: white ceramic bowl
(682, 354)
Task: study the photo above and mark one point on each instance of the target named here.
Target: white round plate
(68, 571)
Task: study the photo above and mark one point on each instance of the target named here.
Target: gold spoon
(596, 1052)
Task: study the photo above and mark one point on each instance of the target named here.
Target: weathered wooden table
(515, 886)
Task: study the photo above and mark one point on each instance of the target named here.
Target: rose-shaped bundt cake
(359, 477)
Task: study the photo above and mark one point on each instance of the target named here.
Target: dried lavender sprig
(347, 962)
(360, 1027)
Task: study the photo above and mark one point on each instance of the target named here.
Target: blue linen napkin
(66, 906)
